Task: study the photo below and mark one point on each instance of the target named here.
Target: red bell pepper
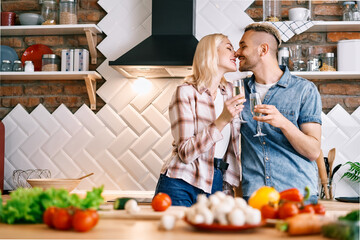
(294, 195)
(291, 194)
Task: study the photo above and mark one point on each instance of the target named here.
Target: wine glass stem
(259, 128)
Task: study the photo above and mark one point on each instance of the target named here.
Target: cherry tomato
(62, 219)
(84, 220)
(268, 211)
(161, 202)
(307, 209)
(287, 210)
(319, 209)
(48, 216)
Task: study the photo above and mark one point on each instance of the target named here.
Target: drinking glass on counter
(255, 100)
(239, 89)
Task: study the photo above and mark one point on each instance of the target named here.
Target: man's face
(247, 52)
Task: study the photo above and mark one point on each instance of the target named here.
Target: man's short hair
(265, 27)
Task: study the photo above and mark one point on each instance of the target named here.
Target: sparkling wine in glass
(239, 89)
(255, 100)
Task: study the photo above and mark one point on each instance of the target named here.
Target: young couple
(205, 123)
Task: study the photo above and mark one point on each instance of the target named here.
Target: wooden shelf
(328, 75)
(90, 78)
(90, 30)
(335, 26)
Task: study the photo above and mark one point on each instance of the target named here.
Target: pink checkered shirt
(192, 116)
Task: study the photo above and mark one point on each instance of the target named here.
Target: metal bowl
(30, 19)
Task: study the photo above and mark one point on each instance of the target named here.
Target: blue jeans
(183, 193)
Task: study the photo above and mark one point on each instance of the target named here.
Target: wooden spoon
(322, 174)
(331, 159)
(85, 176)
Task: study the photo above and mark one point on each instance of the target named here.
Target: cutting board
(146, 212)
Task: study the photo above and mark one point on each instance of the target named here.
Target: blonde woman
(205, 126)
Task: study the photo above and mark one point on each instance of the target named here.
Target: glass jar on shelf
(17, 67)
(29, 66)
(327, 62)
(356, 12)
(6, 66)
(347, 11)
(272, 10)
(49, 12)
(68, 12)
(50, 62)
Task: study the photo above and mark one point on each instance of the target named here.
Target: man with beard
(290, 116)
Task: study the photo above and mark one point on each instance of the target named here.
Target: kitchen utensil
(146, 212)
(85, 176)
(30, 19)
(346, 48)
(348, 199)
(34, 53)
(222, 228)
(20, 177)
(332, 192)
(8, 18)
(323, 175)
(58, 183)
(8, 53)
(299, 14)
(331, 159)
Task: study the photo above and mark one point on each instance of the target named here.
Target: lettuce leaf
(27, 205)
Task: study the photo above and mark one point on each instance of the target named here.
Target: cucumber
(119, 203)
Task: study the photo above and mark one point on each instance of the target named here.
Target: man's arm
(306, 140)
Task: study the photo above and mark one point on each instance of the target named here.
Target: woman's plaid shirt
(192, 116)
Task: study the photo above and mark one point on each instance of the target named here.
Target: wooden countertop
(148, 229)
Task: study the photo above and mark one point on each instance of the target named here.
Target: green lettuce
(27, 205)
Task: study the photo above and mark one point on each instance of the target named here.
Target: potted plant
(353, 174)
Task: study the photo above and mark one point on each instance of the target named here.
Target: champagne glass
(255, 100)
(239, 89)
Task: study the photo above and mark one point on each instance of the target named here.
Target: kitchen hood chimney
(169, 51)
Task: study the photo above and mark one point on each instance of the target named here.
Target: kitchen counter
(148, 229)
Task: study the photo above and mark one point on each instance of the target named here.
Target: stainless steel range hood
(169, 51)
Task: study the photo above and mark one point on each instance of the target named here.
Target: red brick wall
(73, 93)
(51, 94)
(343, 92)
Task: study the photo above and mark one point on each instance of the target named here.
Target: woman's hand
(232, 108)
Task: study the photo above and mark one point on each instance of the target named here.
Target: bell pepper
(293, 194)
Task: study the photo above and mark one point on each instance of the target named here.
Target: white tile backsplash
(127, 141)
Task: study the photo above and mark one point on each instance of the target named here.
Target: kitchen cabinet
(90, 77)
(332, 26)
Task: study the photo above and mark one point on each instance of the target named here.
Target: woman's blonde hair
(205, 63)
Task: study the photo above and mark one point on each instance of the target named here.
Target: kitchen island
(137, 229)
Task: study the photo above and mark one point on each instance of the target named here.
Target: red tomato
(84, 220)
(319, 209)
(48, 216)
(287, 210)
(307, 209)
(268, 211)
(161, 202)
(62, 219)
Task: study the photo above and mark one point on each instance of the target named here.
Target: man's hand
(270, 115)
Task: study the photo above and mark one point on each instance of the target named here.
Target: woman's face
(227, 59)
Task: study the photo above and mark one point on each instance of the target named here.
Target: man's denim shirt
(271, 160)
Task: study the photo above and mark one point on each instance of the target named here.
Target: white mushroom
(131, 206)
(221, 218)
(197, 219)
(167, 222)
(236, 217)
(208, 215)
(240, 203)
(202, 199)
(253, 215)
(213, 201)
(220, 195)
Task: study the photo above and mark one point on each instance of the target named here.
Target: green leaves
(27, 205)
(354, 172)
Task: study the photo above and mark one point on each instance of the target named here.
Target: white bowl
(30, 19)
(58, 183)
